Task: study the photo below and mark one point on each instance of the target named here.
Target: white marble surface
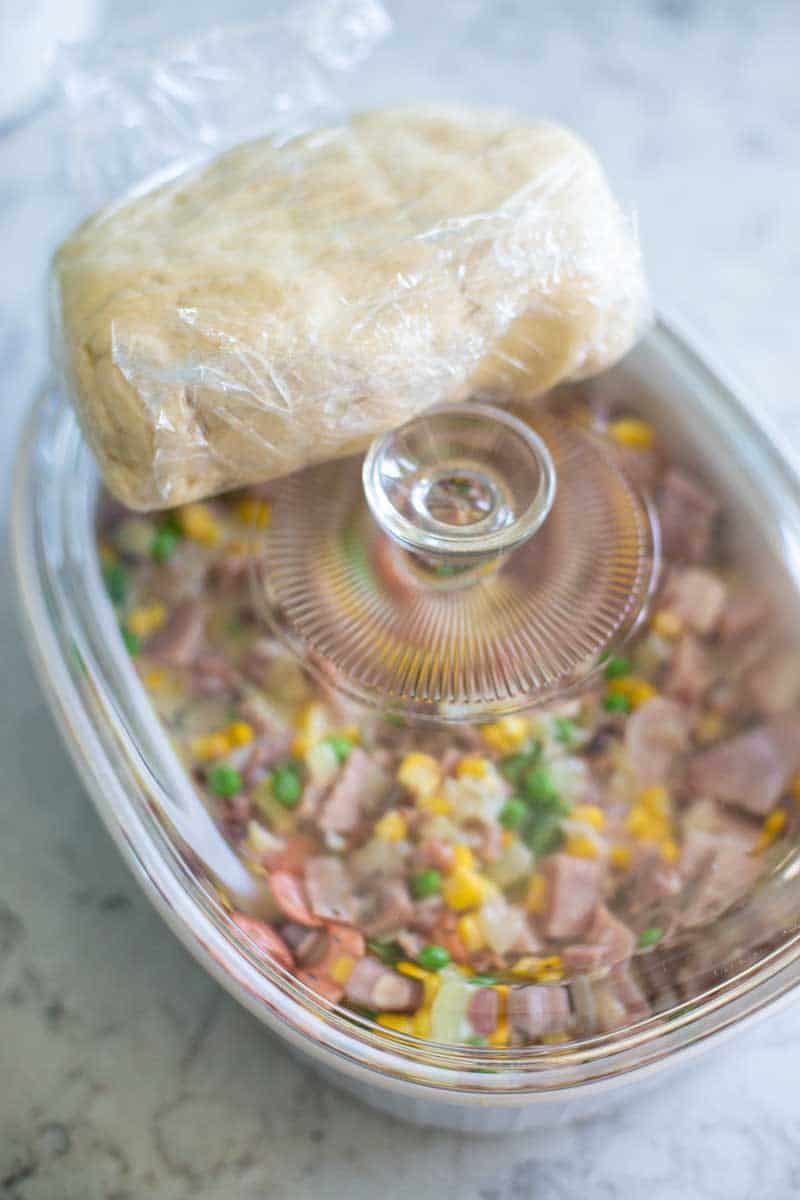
(124, 1071)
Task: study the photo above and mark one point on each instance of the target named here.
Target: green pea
(513, 813)
(615, 703)
(539, 786)
(171, 523)
(564, 731)
(224, 779)
(164, 545)
(513, 765)
(133, 643)
(476, 1040)
(482, 980)
(286, 786)
(433, 957)
(617, 666)
(544, 835)
(649, 937)
(116, 580)
(341, 746)
(425, 883)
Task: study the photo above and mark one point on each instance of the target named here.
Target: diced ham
(360, 786)
(744, 613)
(340, 944)
(687, 512)
(178, 642)
(483, 1010)
(386, 909)
(717, 864)
(330, 889)
(288, 893)
(752, 770)
(573, 888)
(643, 467)
(651, 883)
(266, 938)
(213, 675)
(697, 596)
(535, 1010)
(259, 657)
(774, 685)
(292, 854)
(656, 733)
(690, 673)
(433, 852)
(266, 752)
(608, 941)
(307, 945)
(374, 985)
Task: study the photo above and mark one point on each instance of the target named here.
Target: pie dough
(283, 304)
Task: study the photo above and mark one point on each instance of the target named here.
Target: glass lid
(470, 563)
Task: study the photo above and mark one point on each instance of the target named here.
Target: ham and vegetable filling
(502, 884)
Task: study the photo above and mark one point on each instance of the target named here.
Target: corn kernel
(210, 745)
(506, 838)
(312, 723)
(251, 511)
(635, 690)
(795, 788)
(528, 967)
(536, 895)
(590, 814)
(670, 850)
(506, 735)
(421, 1023)
(632, 431)
(154, 679)
(655, 800)
(470, 933)
(668, 624)
(199, 524)
(391, 827)
(775, 822)
(396, 1022)
(239, 733)
(342, 968)
(500, 1036)
(620, 857)
(709, 728)
(146, 619)
(472, 768)
(419, 773)
(554, 1039)
(429, 980)
(580, 846)
(435, 804)
(463, 858)
(464, 889)
(544, 970)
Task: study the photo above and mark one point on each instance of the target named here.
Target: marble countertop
(125, 1071)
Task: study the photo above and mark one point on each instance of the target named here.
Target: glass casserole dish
(149, 805)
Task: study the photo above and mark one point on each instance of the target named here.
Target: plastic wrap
(286, 302)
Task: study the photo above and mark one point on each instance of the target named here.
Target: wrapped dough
(284, 304)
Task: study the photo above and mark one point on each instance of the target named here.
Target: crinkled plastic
(303, 292)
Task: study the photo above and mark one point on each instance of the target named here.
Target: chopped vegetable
(133, 643)
(433, 957)
(224, 779)
(425, 883)
(565, 731)
(513, 813)
(341, 746)
(116, 580)
(616, 704)
(649, 937)
(164, 545)
(616, 667)
(286, 786)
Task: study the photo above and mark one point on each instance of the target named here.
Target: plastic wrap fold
(302, 292)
